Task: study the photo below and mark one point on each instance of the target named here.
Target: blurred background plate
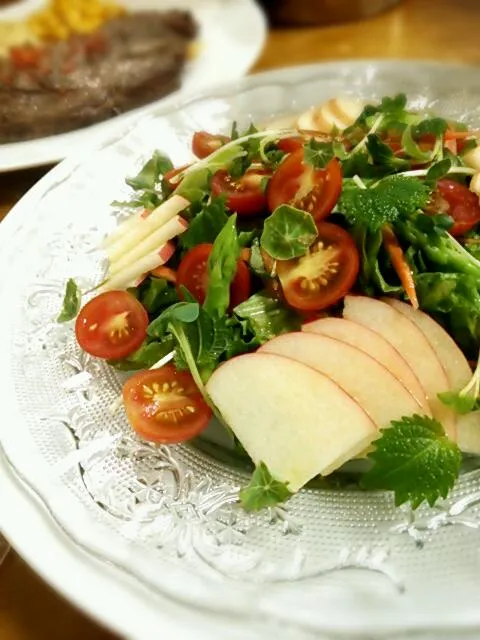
(154, 536)
(232, 34)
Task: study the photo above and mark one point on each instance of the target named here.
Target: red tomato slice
(289, 145)
(299, 184)
(464, 206)
(323, 276)
(170, 176)
(165, 405)
(112, 326)
(204, 143)
(193, 275)
(244, 195)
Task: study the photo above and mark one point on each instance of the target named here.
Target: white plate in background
(232, 34)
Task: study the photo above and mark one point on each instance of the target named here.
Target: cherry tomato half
(193, 275)
(164, 405)
(112, 325)
(323, 276)
(464, 205)
(170, 176)
(244, 195)
(204, 143)
(289, 145)
(299, 184)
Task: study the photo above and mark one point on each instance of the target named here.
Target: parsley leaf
(431, 126)
(71, 302)
(222, 267)
(267, 317)
(414, 459)
(206, 225)
(318, 154)
(383, 202)
(263, 490)
(288, 233)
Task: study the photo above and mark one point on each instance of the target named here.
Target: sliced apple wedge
(374, 345)
(451, 357)
(369, 383)
(289, 416)
(407, 338)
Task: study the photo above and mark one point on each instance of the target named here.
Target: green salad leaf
(414, 459)
(71, 302)
(148, 354)
(206, 225)
(267, 317)
(263, 490)
(431, 126)
(222, 267)
(383, 156)
(438, 170)
(288, 233)
(383, 202)
(461, 403)
(155, 294)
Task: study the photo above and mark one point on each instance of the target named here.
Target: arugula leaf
(151, 172)
(382, 155)
(181, 311)
(263, 490)
(267, 317)
(71, 302)
(206, 225)
(317, 153)
(390, 198)
(145, 356)
(288, 233)
(222, 267)
(155, 294)
(415, 459)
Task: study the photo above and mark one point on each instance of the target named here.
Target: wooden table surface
(430, 29)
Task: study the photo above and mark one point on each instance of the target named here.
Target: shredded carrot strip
(400, 264)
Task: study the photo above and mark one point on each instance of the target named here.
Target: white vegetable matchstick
(136, 271)
(126, 226)
(145, 227)
(167, 232)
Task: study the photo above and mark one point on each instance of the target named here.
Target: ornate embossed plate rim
(62, 173)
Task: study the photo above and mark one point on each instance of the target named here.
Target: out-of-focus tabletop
(441, 30)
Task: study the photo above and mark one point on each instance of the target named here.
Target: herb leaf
(431, 126)
(71, 302)
(382, 155)
(459, 402)
(263, 490)
(151, 172)
(288, 233)
(267, 317)
(390, 198)
(415, 459)
(222, 266)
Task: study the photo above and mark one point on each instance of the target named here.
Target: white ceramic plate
(151, 539)
(232, 34)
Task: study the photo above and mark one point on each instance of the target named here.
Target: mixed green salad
(318, 292)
